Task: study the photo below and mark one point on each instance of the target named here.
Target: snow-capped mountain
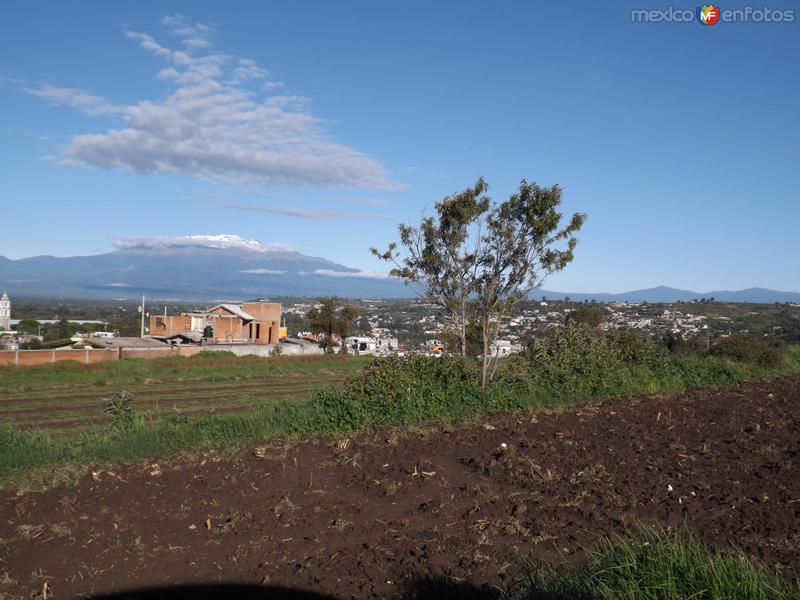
(225, 266)
(223, 241)
(193, 267)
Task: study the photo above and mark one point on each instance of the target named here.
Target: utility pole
(141, 309)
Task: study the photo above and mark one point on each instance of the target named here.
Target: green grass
(391, 392)
(654, 565)
(207, 366)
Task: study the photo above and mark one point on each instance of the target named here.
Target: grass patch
(657, 566)
(206, 366)
(576, 365)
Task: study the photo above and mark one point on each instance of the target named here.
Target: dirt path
(373, 515)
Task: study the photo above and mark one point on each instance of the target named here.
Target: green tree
(331, 317)
(439, 255)
(523, 242)
(28, 326)
(477, 260)
(588, 315)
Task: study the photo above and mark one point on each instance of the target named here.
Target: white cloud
(88, 103)
(222, 241)
(366, 201)
(301, 213)
(119, 285)
(281, 247)
(358, 274)
(220, 121)
(195, 35)
(262, 272)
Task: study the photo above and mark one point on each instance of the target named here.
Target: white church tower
(5, 312)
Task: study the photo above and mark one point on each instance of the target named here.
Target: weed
(121, 412)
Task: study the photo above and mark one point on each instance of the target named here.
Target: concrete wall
(241, 349)
(29, 358)
(41, 357)
(160, 352)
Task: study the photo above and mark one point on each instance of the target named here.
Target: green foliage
(204, 366)
(746, 347)
(580, 362)
(331, 317)
(592, 316)
(28, 326)
(213, 355)
(677, 344)
(657, 566)
(634, 347)
(575, 363)
(121, 412)
(477, 259)
(23, 449)
(412, 389)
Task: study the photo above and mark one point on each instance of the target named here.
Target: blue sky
(324, 124)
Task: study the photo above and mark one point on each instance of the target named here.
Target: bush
(410, 389)
(121, 412)
(677, 344)
(634, 347)
(580, 362)
(334, 411)
(746, 347)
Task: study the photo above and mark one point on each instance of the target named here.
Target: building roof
(123, 342)
(193, 337)
(236, 310)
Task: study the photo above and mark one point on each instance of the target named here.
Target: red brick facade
(248, 323)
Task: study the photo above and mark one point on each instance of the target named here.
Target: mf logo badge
(708, 15)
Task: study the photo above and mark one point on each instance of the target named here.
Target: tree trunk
(463, 330)
(485, 361)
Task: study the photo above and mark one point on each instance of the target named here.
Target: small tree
(522, 244)
(348, 315)
(438, 255)
(477, 260)
(331, 317)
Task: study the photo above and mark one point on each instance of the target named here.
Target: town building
(381, 345)
(5, 312)
(246, 323)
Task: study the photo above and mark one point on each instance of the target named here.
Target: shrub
(121, 412)
(634, 347)
(578, 361)
(746, 347)
(335, 411)
(411, 389)
(676, 343)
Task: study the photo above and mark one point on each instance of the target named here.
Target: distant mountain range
(228, 267)
(667, 294)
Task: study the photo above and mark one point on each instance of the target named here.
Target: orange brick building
(246, 323)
